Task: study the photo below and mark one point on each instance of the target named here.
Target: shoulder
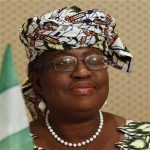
(39, 129)
(37, 125)
(137, 135)
(116, 119)
(39, 134)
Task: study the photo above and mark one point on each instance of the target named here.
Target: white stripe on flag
(12, 112)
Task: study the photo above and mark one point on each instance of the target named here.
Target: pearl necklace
(75, 144)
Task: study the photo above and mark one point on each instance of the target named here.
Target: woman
(69, 50)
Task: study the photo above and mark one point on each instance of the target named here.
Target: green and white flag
(14, 131)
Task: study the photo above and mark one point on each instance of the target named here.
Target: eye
(95, 60)
(64, 61)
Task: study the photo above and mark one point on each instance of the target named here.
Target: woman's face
(74, 91)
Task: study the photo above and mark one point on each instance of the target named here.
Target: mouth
(84, 88)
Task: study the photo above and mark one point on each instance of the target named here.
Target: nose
(81, 71)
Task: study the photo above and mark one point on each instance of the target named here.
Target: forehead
(78, 52)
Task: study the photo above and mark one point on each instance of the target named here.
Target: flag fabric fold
(14, 126)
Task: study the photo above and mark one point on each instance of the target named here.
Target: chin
(88, 104)
(89, 99)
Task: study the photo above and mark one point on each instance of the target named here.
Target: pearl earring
(42, 105)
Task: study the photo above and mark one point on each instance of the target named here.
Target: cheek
(53, 85)
(103, 81)
(103, 78)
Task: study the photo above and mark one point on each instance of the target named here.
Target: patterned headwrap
(69, 28)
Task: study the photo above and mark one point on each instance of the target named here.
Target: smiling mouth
(83, 88)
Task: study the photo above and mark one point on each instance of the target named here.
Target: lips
(83, 88)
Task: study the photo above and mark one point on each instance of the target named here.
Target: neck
(73, 129)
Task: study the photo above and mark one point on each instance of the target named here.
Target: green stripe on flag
(17, 141)
(8, 69)
(14, 131)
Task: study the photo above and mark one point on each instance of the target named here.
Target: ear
(35, 79)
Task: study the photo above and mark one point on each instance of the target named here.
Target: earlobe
(35, 79)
